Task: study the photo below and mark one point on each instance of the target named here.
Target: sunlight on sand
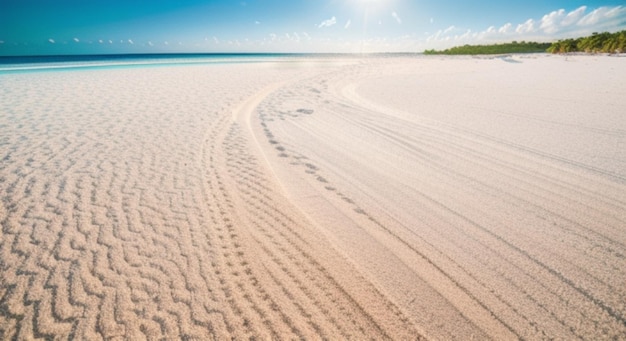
(385, 198)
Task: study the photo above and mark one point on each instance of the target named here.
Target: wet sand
(384, 198)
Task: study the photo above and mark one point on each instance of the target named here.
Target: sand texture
(376, 198)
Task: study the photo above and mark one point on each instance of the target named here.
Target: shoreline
(18, 64)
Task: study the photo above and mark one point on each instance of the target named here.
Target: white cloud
(602, 18)
(347, 24)
(130, 41)
(101, 41)
(505, 28)
(51, 41)
(573, 16)
(257, 22)
(464, 36)
(448, 30)
(441, 35)
(110, 41)
(432, 20)
(591, 18)
(76, 40)
(217, 41)
(527, 27)
(306, 35)
(328, 23)
(150, 43)
(603, 14)
(550, 22)
(616, 11)
(395, 16)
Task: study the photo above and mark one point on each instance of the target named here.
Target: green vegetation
(514, 47)
(596, 43)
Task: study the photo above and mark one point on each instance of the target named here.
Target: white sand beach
(401, 197)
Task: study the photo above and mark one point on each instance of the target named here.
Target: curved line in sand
(489, 306)
(242, 115)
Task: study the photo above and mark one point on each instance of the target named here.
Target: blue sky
(42, 27)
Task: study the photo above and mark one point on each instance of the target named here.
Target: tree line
(596, 43)
(513, 47)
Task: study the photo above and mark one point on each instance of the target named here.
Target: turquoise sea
(13, 64)
(48, 63)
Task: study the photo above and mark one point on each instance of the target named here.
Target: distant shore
(612, 43)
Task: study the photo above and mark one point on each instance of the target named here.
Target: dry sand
(399, 198)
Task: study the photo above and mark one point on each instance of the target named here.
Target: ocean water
(15, 64)
(74, 62)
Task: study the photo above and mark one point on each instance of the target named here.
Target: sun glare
(369, 3)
